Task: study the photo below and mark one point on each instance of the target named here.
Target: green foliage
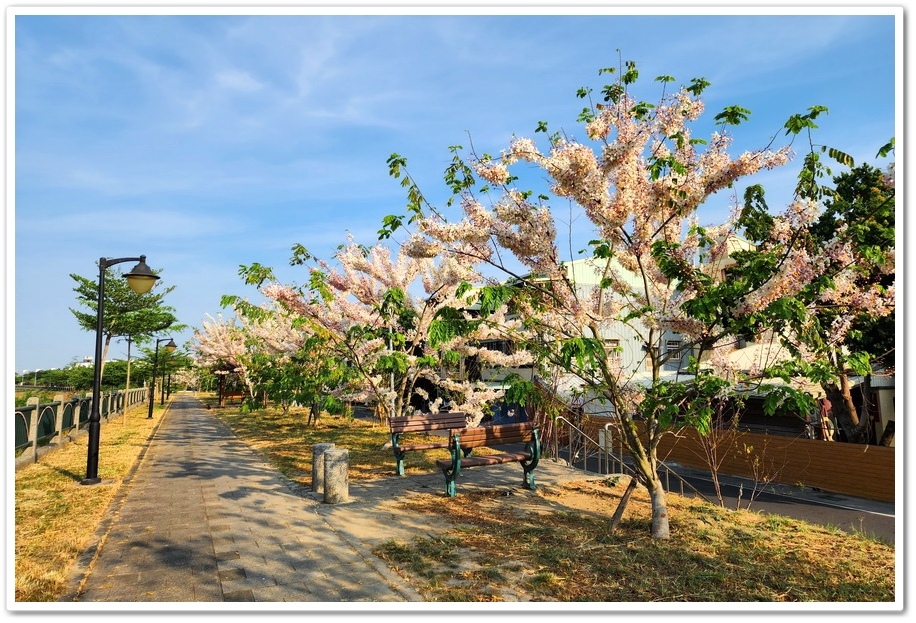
(448, 324)
(584, 352)
(697, 86)
(520, 391)
(393, 361)
(395, 306)
(886, 149)
(700, 403)
(256, 274)
(733, 115)
(755, 219)
(786, 400)
(492, 297)
(126, 313)
(798, 122)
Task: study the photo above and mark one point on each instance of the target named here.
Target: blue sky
(206, 142)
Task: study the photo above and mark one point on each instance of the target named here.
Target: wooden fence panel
(865, 471)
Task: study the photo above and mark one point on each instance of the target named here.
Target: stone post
(318, 452)
(336, 476)
(33, 427)
(59, 416)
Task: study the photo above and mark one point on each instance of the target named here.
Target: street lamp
(170, 347)
(141, 280)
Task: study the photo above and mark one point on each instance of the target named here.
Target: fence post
(33, 427)
(59, 415)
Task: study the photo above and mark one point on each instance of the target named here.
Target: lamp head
(141, 278)
(171, 346)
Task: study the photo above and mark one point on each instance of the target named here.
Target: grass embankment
(56, 516)
(559, 547)
(556, 546)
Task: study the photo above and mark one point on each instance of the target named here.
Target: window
(612, 347)
(673, 348)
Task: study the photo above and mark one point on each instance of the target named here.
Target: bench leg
(450, 476)
(529, 479)
(398, 463)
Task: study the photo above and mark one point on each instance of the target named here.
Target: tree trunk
(314, 412)
(844, 410)
(646, 465)
(659, 497)
(622, 505)
(887, 438)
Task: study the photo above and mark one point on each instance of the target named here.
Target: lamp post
(152, 384)
(141, 280)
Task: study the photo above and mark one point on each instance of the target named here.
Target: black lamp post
(152, 384)
(141, 280)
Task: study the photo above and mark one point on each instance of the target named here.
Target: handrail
(40, 425)
(573, 454)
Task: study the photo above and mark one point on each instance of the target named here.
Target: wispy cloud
(209, 141)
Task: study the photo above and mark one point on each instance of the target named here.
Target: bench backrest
(428, 421)
(498, 434)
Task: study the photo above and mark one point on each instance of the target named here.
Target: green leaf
(839, 156)
(697, 86)
(493, 297)
(886, 149)
(447, 324)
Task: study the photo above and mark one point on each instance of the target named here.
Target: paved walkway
(203, 518)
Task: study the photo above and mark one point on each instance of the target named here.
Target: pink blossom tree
(382, 315)
(220, 343)
(640, 185)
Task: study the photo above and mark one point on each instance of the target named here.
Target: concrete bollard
(336, 476)
(318, 452)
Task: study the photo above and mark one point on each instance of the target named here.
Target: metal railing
(599, 456)
(39, 425)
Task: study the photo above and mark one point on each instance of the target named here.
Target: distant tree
(166, 364)
(126, 312)
(220, 344)
(80, 377)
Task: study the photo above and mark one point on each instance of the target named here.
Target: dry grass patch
(56, 516)
(556, 546)
(286, 440)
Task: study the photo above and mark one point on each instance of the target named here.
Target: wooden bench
(465, 440)
(228, 397)
(448, 421)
